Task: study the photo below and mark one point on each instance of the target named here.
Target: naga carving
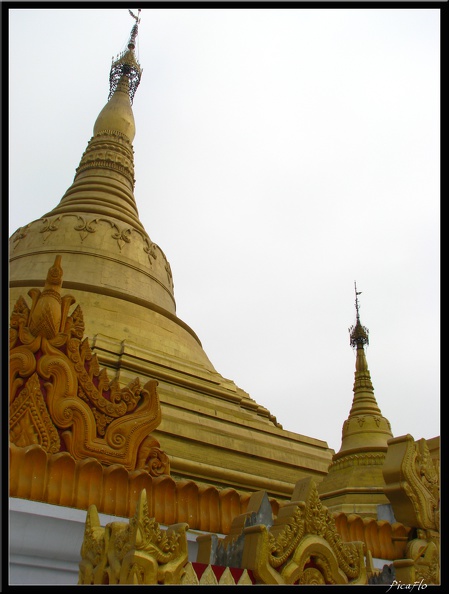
(61, 400)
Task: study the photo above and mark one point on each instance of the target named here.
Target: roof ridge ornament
(358, 333)
(126, 66)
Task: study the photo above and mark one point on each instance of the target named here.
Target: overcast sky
(280, 155)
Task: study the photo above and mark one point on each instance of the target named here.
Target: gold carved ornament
(142, 553)
(61, 400)
(303, 545)
(412, 483)
(135, 553)
(413, 487)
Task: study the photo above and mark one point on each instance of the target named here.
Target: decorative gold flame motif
(61, 400)
(413, 487)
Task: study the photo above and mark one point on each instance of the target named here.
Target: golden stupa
(211, 429)
(355, 482)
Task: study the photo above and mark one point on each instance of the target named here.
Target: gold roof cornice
(61, 480)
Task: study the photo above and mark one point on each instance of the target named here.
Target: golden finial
(126, 65)
(357, 293)
(134, 30)
(358, 333)
(136, 18)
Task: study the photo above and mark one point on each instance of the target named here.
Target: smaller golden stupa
(355, 483)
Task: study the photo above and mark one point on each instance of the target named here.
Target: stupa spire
(358, 333)
(354, 483)
(125, 68)
(104, 180)
(364, 400)
(365, 426)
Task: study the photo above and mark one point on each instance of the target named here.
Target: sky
(280, 156)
